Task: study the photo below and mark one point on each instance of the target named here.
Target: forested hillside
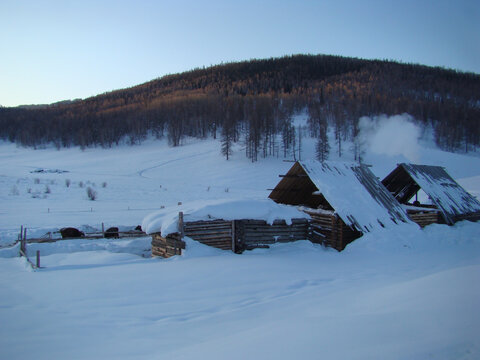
(255, 101)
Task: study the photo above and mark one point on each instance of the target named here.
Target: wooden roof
(351, 190)
(450, 198)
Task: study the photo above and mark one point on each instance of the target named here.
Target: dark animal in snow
(71, 232)
(112, 233)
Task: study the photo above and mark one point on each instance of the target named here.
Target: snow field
(291, 300)
(404, 293)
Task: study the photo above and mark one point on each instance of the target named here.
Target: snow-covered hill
(389, 295)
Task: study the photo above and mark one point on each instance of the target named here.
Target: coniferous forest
(253, 102)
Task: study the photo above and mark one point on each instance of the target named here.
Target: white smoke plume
(390, 135)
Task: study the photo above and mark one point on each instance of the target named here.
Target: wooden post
(334, 232)
(38, 258)
(23, 243)
(233, 235)
(103, 229)
(180, 224)
(20, 236)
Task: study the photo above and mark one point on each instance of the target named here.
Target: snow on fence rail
(22, 240)
(113, 232)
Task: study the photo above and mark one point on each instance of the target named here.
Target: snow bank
(166, 220)
(136, 246)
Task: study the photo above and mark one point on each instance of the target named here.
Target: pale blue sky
(57, 50)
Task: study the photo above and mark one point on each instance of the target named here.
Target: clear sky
(57, 50)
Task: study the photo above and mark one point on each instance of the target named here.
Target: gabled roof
(449, 197)
(352, 190)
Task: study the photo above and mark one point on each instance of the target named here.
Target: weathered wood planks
(240, 235)
(425, 218)
(216, 233)
(167, 246)
(330, 230)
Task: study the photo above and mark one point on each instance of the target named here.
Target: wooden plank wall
(167, 246)
(329, 230)
(216, 233)
(239, 235)
(470, 217)
(252, 234)
(424, 219)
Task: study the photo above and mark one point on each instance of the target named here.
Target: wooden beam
(293, 176)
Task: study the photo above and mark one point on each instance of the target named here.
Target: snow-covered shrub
(92, 194)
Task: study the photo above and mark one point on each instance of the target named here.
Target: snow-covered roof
(166, 220)
(352, 190)
(450, 198)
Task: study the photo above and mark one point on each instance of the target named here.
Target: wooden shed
(343, 199)
(450, 202)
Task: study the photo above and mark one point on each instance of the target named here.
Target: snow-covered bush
(92, 194)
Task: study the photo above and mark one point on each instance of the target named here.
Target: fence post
(103, 229)
(23, 242)
(38, 258)
(233, 235)
(180, 224)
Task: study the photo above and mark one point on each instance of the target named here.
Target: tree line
(255, 102)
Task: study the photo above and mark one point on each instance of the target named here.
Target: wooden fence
(234, 235)
(56, 236)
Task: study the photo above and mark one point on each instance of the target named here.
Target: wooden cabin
(449, 201)
(343, 199)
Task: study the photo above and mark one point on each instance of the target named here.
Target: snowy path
(142, 172)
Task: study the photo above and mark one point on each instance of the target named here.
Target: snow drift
(166, 220)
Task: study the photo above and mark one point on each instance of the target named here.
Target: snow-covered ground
(403, 294)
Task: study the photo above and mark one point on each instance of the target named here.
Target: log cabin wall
(330, 231)
(216, 233)
(251, 234)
